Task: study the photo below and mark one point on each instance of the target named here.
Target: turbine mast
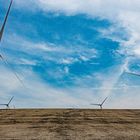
(101, 107)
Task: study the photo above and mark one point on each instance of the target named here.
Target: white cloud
(68, 60)
(39, 94)
(92, 7)
(67, 54)
(7, 79)
(66, 69)
(124, 13)
(26, 62)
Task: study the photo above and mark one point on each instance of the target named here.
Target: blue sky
(70, 53)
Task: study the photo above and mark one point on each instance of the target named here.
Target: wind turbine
(101, 105)
(7, 105)
(1, 35)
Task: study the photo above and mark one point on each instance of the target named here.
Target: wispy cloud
(52, 52)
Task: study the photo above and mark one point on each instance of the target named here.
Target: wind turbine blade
(96, 104)
(133, 73)
(5, 20)
(10, 100)
(7, 63)
(3, 104)
(104, 101)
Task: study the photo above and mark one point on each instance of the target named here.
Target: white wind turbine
(8, 104)
(101, 105)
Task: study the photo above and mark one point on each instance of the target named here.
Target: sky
(71, 53)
